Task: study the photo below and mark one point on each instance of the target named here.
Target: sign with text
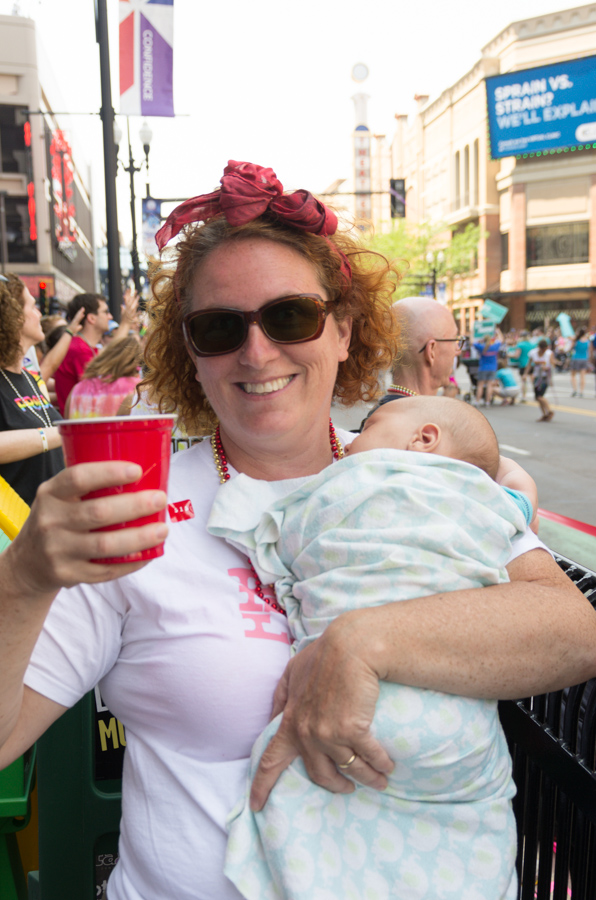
(483, 329)
(151, 225)
(544, 108)
(362, 172)
(492, 311)
(146, 57)
(62, 181)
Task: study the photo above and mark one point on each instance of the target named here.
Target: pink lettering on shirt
(255, 610)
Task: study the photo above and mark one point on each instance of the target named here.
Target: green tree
(419, 248)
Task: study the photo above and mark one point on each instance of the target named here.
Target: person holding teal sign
(487, 365)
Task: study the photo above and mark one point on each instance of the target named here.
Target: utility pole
(109, 153)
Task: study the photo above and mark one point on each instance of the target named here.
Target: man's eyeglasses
(288, 320)
(459, 340)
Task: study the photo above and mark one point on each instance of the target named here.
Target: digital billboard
(543, 108)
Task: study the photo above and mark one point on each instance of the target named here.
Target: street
(559, 455)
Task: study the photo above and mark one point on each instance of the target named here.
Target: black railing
(552, 739)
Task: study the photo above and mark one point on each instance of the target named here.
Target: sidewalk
(569, 542)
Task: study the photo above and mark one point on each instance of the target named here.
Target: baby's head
(431, 425)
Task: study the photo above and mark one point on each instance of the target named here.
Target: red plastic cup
(144, 440)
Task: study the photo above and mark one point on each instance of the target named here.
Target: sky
(269, 81)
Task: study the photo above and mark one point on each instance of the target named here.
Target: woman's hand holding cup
(59, 539)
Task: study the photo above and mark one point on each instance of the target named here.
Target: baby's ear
(426, 439)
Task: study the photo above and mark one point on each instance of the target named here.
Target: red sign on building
(62, 178)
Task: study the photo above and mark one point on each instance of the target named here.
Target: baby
(394, 520)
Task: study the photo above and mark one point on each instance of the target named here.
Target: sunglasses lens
(286, 321)
(216, 332)
(292, 320)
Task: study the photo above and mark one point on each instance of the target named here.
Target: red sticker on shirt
(180, 511)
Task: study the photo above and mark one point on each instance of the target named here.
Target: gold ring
(347, 764)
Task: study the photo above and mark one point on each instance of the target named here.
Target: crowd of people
(262, 314)
(511, 366)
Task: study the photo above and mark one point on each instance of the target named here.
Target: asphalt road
(560, 455)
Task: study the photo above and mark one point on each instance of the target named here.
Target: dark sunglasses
(460, 342)
(287, 320)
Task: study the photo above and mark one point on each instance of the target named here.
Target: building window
(467, 175)
(457, 190)
(476, 175)
(504, 251)
(21, 249)
(12, 139)
(557, 245)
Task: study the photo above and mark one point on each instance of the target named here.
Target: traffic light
(44, 302)
(397, 191)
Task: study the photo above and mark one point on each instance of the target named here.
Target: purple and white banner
(151, 225)
(146, 57)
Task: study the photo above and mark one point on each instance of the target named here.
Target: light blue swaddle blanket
(380, 526)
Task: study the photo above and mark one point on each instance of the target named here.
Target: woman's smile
(266, 387)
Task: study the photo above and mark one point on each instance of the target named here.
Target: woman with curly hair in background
(30, 445)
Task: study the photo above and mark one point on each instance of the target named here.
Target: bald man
(430, 341)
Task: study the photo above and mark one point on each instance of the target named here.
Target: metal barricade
(552, 740)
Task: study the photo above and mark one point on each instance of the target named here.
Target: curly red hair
(12, 319)
(365, 298)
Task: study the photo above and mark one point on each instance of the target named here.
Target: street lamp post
(145, 135)
(435, 260)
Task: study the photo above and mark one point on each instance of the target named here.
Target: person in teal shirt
(508, 388)
(579, 360)
(524, 346)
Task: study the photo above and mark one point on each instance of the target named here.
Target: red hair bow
(247, 191)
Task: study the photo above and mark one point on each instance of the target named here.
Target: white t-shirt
(541, 359)
(187, 657)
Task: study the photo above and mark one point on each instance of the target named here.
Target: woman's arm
(54, 357)
(535, 634)
(54, 550)
(22, 443)
(128, 318)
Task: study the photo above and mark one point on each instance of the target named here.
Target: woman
(488, 351)
(30, 445)
(580, 362)
(541, 360)
(191, 649)
(110, 377)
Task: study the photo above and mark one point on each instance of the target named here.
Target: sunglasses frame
(254, 317)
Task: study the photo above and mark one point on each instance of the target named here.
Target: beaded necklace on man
(221, 464)
(399, 389)
(44, 419)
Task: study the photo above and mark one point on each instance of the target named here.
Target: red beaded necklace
(399, 389)
(221, 464)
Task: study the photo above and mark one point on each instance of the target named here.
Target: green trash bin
(79, 787)
(16, 782)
